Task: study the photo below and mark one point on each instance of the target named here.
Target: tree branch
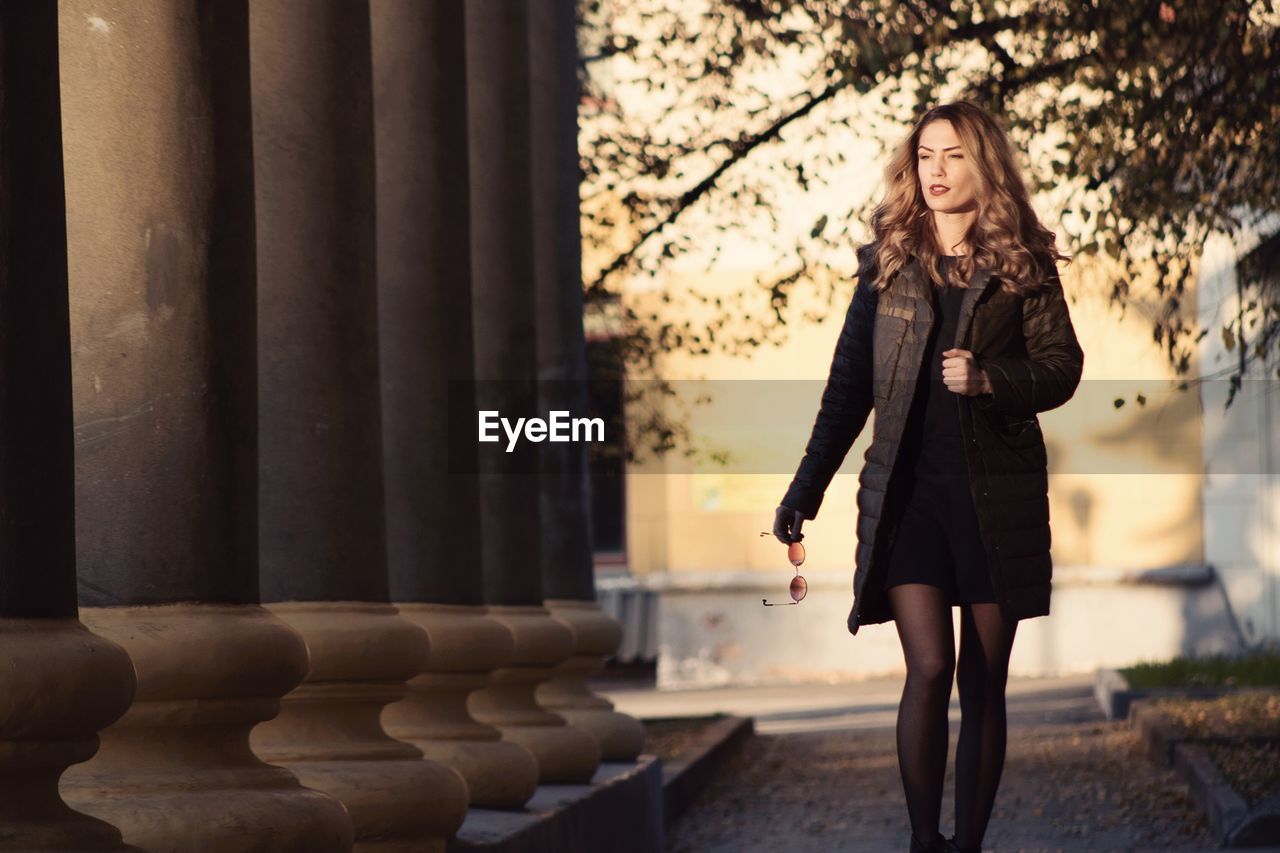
(742, 147)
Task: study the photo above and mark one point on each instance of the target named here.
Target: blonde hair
(1006, 236)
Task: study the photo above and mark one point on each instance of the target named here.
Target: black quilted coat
(1029, 349)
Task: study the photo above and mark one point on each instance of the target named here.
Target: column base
(328, 731)
(176, 772)
(596, 635)
(565, 753)
(465, 646)
(62, 684)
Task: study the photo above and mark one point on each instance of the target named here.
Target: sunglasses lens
(795, 553)
(798, 588)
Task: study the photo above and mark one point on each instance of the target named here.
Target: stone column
(324, 557)
(61, 683)
(500, 165)
(568, 573)
(424, 304)
(160, 196)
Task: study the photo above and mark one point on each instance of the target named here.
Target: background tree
(1164, 114)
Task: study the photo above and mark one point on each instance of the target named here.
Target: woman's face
(940, 162)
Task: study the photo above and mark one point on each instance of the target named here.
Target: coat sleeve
(1047, 377)
(846, 403)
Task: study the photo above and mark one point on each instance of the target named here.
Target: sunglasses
(799, 586)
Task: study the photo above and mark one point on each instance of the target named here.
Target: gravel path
(1072, 781)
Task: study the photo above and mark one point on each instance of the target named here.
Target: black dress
(938, 541)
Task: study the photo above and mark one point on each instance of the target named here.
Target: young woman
(957, 336)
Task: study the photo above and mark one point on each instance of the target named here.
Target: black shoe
(937, 844)
(953, 847)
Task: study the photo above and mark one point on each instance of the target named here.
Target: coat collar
(978, 284)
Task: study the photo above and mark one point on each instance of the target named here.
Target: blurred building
(1164, 536)
(1163, 507)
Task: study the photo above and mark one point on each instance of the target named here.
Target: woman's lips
(934, 191)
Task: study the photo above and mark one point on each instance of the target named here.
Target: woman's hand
(961, 375)
(786, 525)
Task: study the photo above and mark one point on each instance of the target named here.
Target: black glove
(786, 525)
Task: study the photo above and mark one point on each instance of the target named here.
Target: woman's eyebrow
(927, 148)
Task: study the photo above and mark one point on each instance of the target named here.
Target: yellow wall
(1124, 487)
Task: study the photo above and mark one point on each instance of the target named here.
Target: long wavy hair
(1005, 237)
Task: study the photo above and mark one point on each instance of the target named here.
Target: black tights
(923, 618)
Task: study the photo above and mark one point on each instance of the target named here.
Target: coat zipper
(997, 583)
